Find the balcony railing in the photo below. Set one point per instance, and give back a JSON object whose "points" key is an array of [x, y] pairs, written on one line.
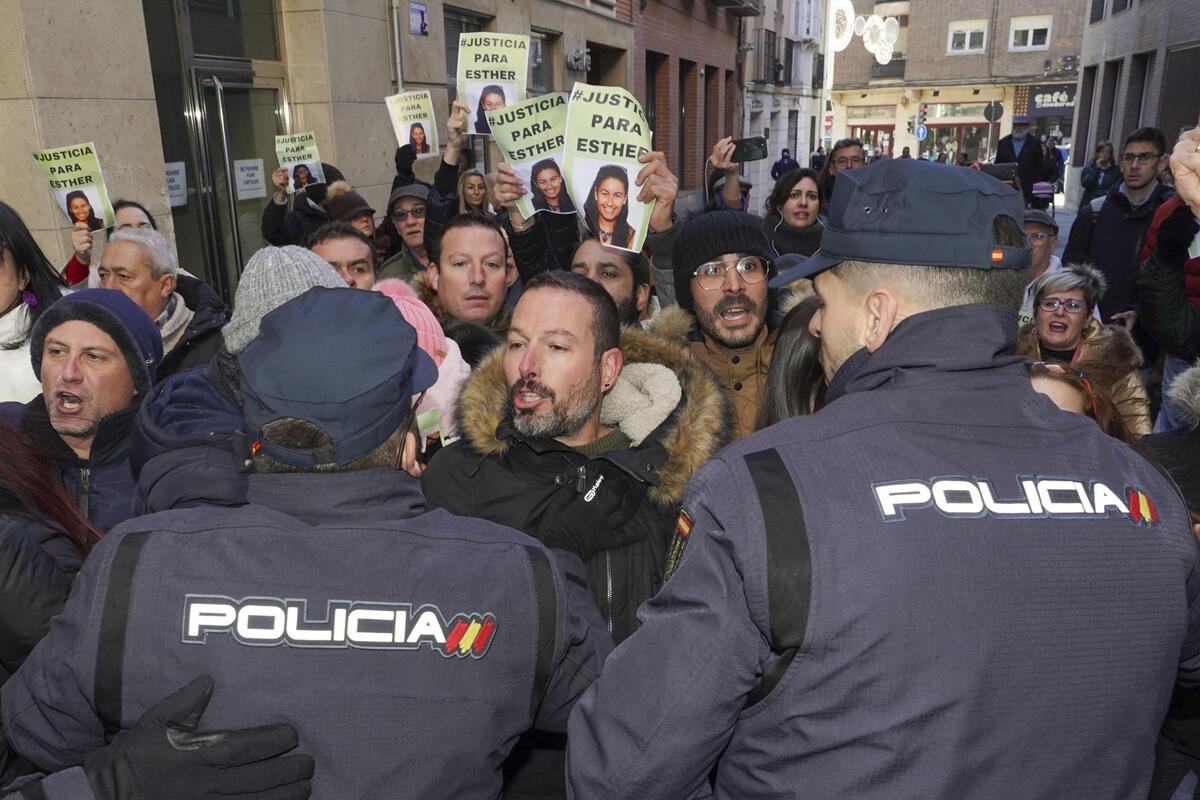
{"points": [[740, 8], [892, 69]]}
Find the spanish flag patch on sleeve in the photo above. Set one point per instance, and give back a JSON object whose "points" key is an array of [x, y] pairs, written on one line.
{"points": [[683, 529]]}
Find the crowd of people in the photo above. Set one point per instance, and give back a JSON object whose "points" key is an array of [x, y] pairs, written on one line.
{"points": [[873, 495]]}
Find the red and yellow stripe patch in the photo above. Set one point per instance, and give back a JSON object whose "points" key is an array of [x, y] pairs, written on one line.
{"points": [[1140, 507], [468, 635]]}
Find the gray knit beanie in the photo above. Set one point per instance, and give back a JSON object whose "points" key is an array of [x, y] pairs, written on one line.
{"points": [[273, 276]]}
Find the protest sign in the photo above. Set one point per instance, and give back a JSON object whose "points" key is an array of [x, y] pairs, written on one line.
{"points": [[298, 152], [531, 136], [606, 132], [249, 178], [413, 120], [492, 68], [74, 177]]}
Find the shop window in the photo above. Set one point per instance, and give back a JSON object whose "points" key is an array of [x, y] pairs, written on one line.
{"points": [[1030, 33], [967, 36]]}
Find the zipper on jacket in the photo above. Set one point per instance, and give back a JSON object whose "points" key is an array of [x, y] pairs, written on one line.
{"points": [[581, 478], [608, 588], [85, 481]]}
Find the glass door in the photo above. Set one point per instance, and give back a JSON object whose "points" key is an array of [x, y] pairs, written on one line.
{"points": [[240, 122]]}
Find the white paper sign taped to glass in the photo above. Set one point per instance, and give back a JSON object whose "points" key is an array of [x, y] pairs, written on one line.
{"points": [[249, 178], [492, 70], [606, 132], [74, 178], [531, 136], [413, 121], [176, 172], [298, 152]]}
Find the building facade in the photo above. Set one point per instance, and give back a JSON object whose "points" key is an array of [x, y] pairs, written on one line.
{"points": [[784, 79], [201, 87], [1139, 66], [686, 75], [952, 59]]}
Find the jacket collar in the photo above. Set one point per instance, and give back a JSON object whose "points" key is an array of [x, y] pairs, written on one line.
{"points": [[111, 443], [330, 498], [958, 342]]}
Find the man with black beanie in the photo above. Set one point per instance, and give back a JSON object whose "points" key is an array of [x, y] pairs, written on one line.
{"points": [[721, 262]]}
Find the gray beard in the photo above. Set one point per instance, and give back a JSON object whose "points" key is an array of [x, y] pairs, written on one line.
{"points": [[565, 419]]}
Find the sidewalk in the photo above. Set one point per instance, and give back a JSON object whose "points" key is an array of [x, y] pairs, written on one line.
{"points": [[1064, 215]]}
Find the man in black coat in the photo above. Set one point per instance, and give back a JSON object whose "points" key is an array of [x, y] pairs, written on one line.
{"points": [[1023, 150]]}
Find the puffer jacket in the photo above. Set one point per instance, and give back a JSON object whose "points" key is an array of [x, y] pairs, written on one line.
{"points": [[38, 564], [1113, 346], [188, 446], [496, 473]]}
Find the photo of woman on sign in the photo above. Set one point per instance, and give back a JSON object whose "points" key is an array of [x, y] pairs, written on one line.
{"points": [[79, 208], [416, 137], [606, 210], [549, 189], [491, 98]]}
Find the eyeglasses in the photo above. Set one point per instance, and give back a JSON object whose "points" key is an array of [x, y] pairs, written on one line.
{"points": [[1040, 237], [1145, 158], [400, 214], [1055, 368], [1070, 305], [711, 274], [848, 161]]}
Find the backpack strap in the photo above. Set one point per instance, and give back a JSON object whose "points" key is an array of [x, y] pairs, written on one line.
{"points": [[789, 564], [114, 623], [547, 620]]}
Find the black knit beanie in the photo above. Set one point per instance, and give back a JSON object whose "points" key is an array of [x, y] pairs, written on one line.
{"points": [[709, 236]]}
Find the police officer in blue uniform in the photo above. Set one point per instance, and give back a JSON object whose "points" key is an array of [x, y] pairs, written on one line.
{"points": [[939, 585], [408, 649]]}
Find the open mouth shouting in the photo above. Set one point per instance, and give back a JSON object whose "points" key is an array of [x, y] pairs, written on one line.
{"points": [[527, 395]]}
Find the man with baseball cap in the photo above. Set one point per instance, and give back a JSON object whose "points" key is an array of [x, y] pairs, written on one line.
{"points": [[408, 208], [96, 353], [938, 585], [1023, 150], [402, 645]]}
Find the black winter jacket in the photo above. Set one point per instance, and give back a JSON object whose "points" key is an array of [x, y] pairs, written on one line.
{"points": [[202, 339], [1112, 241], [101, 485], [282, 227], [498, 474]]}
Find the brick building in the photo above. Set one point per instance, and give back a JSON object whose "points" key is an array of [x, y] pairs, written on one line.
{"points": [[686, 76], [956, 56], [784, 78], [1139, 66]]}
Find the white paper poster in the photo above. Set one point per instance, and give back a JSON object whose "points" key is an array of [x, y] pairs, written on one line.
{"points": [[249, 178], [177, 183]]}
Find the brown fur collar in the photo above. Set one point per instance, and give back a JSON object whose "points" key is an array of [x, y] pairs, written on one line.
{"points": [[699, 426], [673, 323]]}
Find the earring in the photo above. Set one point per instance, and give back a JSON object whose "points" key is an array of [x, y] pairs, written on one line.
{"points": [[29, 298]]}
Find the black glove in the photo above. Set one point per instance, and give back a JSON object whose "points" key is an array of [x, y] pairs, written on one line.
{"points": [[587, 515], [1175, 235], [164, 756]]}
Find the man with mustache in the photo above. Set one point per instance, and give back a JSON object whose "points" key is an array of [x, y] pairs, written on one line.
{"points": [[583, 434], [721, 262]]}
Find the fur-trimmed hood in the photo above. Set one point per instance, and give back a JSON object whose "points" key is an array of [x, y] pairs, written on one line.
{"points": [[1185, 393], [672, 323], [663, 394]]}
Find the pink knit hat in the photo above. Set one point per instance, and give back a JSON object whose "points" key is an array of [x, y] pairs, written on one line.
{"points": [[430, 336]]}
